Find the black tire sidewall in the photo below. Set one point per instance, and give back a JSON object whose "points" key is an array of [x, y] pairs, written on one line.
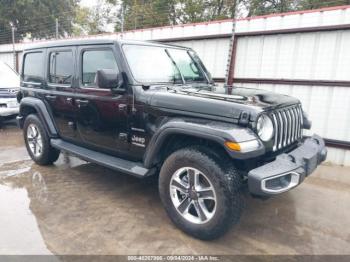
{"points": [[224, 208]]}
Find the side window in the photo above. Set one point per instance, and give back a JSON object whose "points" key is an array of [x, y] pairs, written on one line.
{"points": [[33, 70], [95, 60], [61, 67]]}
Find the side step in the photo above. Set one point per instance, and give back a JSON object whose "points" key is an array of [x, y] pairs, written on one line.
{"points": [[125, 166]]}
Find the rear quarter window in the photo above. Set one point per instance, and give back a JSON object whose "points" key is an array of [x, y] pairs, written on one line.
{"points": [[33, 69]]}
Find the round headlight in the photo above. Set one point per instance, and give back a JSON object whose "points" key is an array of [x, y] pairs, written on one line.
{"points": [[265, 128]]}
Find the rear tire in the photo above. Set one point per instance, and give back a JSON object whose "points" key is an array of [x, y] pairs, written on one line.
{"points": [[37, 142], [217, 210]]}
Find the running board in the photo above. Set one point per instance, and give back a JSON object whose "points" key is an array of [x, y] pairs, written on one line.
{"points": [[125, 166]]}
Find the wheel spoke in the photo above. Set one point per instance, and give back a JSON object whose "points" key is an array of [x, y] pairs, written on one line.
{"points": [[34, 147], [39, 147], [184, 205], [206, 193], [193, 177], [199, 209], [34, 131], [179, 186], [30, 133]]}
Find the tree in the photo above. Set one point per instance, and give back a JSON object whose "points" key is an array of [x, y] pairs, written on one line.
{"points": [[150, 13], [143, 13], [189, 11], [257, 7], [35, 18], [93, 20], [314, 4]]}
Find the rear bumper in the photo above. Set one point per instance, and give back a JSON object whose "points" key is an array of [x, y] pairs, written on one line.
{"points": [[288, 170]]}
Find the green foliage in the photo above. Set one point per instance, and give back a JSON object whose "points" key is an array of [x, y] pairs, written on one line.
{"points": [[93, 20], [150, 13], [256, 7], [35, 18], [314, 4]]}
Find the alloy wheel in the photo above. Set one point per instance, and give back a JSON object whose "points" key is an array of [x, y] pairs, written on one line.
{"points": [[34, 140], [193, 195]]}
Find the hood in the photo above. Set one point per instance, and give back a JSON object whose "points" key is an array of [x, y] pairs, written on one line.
{"points": [[218, 103]]}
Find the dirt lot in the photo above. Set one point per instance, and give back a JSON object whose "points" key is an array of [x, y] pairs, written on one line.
{"points": [[75, 207]]}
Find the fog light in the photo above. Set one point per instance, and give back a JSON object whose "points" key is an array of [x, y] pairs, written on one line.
{"points": [[280, 183]]}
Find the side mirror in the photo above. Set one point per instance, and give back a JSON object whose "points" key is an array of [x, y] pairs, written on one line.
{"points": [[109, 79]]}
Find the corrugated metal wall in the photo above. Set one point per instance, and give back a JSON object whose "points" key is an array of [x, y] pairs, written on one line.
{"points": [[312, 56], [323, 55], [8, 59], [213, 52]]}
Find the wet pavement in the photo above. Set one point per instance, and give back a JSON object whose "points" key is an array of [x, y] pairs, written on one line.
{"points": [[75, 208]]}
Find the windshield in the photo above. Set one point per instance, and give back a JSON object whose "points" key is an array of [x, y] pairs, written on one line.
{"points": [[8, 77], [154, 64]]}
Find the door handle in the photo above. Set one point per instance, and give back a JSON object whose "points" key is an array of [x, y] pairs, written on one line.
{"points": [[82, 102], [50, 97], [123, 108]]}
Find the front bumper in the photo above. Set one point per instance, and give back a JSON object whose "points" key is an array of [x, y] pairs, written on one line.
{"points": [[288, 170], [11, 107], [7, 112]]}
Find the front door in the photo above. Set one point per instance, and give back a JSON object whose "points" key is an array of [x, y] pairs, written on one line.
{"points": [[102, 120], [60, 79]]}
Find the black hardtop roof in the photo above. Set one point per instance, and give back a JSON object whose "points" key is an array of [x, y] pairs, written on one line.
{"points": [[63, 43]]}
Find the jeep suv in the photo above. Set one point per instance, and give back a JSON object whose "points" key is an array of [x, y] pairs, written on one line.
{"points": [[147, 109]]}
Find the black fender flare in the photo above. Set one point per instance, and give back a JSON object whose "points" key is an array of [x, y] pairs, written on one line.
{"points": [[218, 132], [41, 109]]}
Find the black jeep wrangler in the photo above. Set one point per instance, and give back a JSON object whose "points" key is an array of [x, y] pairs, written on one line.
{"points": [[147, 108]]}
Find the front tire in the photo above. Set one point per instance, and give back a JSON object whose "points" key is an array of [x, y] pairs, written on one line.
{"points": [[200, 193], [38, 142]]}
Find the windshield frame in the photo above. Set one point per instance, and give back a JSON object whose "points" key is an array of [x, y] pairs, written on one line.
{"points": [[207, 80]]}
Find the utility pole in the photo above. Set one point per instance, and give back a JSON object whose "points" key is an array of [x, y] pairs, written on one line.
{"points": [[229, 68], [13, 47], [122, 22], [56, 28]]}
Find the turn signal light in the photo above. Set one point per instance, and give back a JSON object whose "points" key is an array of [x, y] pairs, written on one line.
{"points": [[233, 146]]}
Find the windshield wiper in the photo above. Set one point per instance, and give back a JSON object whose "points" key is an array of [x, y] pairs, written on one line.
{"points": [[178, 69]]}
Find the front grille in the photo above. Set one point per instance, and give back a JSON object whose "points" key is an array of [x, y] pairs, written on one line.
{"points": [[288, 124], [6, 93]]}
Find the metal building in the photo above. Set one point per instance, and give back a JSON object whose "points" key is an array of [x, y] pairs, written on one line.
{"points": [[304, 54]]}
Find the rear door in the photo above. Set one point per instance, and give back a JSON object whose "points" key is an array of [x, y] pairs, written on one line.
{"points": [[102, 115], [60, 85]]}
